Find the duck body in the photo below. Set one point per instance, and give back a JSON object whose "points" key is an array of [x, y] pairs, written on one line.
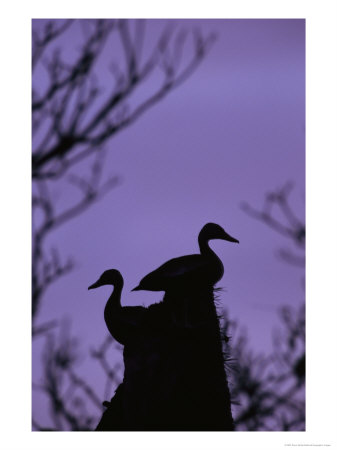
{"points": [[181, 271], [198, 269]]}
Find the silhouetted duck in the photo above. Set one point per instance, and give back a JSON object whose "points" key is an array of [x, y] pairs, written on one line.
{"points": [[188, 270], [122, 321]]}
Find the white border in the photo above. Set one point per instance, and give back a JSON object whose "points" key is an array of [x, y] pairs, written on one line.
{"points": [[321, 215]]}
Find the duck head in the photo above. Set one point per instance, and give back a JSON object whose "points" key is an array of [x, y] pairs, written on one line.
{"points": [[214, 231], [109, 277]]}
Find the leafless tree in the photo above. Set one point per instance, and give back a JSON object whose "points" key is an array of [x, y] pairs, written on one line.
{"points": [[268, 391], [75, 116], [278, 215], [74, 405]]}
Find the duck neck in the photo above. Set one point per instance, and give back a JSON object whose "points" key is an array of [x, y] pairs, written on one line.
{"points": [[214, 267], [113, 307], [114, 301], [205, 249]]}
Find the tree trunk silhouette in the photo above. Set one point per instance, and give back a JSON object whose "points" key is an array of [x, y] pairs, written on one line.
{"points": [[174, 377]]}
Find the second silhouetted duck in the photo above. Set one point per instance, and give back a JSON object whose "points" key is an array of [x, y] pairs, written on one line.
{"points": [[190, 270]]}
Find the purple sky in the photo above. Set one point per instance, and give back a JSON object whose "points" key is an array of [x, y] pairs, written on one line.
{"points": [[234, 130]]}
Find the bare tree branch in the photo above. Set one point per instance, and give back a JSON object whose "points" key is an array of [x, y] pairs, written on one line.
{"points": [[291, 227], [71, 135], [268, 391], [275, 400], [72, 120], [44, 328], [288, 225], [69, 395], [50, 32]]}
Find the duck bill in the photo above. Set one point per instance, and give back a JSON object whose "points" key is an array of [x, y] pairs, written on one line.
{"points": [[229, 238], [94, 286]]}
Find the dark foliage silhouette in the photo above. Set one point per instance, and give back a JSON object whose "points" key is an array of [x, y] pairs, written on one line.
{"points": [[174, 377], [64, 388], [266, 390], [269, 391]]}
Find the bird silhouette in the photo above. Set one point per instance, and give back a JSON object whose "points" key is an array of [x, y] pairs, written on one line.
{"points": [[125, 411], [121, 321], [199, 269]]}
